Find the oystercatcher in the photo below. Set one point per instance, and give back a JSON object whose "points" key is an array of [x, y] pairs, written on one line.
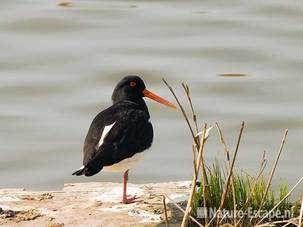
{"points": [[118, 135]]}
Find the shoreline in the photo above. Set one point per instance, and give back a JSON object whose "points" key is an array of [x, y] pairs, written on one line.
{"points": [[92, 204]]}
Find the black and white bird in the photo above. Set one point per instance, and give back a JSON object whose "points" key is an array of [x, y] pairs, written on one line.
{"points": [[119, 135]]}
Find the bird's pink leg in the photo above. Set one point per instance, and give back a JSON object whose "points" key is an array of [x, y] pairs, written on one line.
{"points": [[126, 200]]}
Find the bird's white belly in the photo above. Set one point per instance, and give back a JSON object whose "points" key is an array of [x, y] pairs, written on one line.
{"points": [[125, 164]]}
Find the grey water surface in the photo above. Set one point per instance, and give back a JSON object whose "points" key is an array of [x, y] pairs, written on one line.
{"points": [[59, 65]]}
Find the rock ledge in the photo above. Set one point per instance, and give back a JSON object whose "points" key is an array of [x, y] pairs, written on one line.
{"points": [[91, 204]]}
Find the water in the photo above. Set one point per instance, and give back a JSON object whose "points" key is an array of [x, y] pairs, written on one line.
{"points": [[58, 66]]}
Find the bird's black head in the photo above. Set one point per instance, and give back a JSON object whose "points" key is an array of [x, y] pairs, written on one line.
{"points": [[129, 88], [133, 88]]}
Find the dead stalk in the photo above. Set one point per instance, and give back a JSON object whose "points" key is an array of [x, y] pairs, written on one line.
{"points": [[285, 197], [194, 115], [226, 151], [272, 172], [194, 180], [227, 183], [261, 169], [223, 142], [289, 223], [204, 176], [183, 112], [195, 138], [183, 211], [194, 159], [165, 211]]}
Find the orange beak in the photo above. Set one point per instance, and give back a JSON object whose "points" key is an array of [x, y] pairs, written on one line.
{"points": [[157, 98]]}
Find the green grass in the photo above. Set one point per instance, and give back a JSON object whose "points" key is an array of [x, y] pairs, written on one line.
{"points": [[248, 193]]}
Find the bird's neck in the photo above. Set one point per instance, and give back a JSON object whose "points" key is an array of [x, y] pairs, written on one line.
{"points": [[139, 101], [143, 106]]}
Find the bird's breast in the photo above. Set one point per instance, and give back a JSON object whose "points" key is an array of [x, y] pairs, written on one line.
{"points": [[125, 164]]}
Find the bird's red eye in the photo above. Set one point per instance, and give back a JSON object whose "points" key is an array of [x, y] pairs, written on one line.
{"points": [[132, 84]]}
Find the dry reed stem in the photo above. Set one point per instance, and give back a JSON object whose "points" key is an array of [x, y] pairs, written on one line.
{"points": [[261, 169], [290, 222], [195, 138], [231, 167], [165, 211], [194, 115], [285, 197], [194, 118], [226, 151], [266, 225], [272, 171], [301, 213], [279, 222], [227, 183], [183, 211], [204, 175], [194, 180], [183, 112], [274, 223], [194, 159]]}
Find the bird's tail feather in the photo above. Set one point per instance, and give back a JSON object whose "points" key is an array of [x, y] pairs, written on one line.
{"points": [[80, 171]]}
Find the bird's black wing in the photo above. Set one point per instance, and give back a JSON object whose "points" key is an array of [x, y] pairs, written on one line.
{"points": [[124, 139]]}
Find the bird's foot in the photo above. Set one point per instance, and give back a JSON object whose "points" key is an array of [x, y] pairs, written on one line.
{"points": [[130, 200]]}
